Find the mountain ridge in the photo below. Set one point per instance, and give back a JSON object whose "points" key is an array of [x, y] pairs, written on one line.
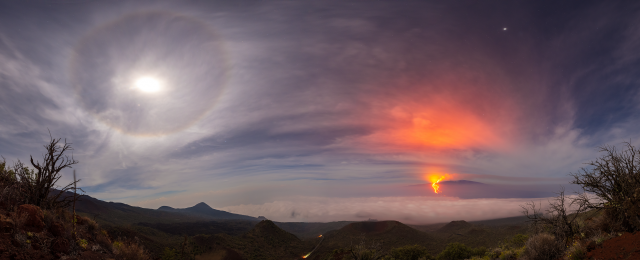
{"points": [[204, 210]]}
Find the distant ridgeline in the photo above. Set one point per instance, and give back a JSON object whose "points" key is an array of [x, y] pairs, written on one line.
{"points": [[203, 210], [114, 213]]}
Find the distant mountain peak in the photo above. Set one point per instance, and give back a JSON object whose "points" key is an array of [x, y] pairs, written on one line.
{"points": [[165, 208], [202, 205]]}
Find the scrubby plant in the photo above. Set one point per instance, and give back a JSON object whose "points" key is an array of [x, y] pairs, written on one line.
{"points": [[542, 246], [614, 179], [413, 252], [366, 251], [129, 250], [82, 243], [92, 226], [512, 253], [20, 184], [517, 241], [170, 254], [576, 251], [559, 220], [459, 251]]}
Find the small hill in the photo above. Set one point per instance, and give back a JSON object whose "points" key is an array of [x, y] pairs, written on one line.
{"points": [[477, 233], [166, 208], [205, 211], [455, 226], [307, 230], [269, 232], [264, 241], [390, 234]]}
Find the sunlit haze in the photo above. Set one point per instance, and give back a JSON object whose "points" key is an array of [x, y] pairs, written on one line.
{"points": [[148, 84]]}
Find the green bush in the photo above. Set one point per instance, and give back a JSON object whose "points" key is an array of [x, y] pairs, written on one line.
{"points": [[459, 251], [414, 252], [170, 254], [517, 241], [512, 253]]}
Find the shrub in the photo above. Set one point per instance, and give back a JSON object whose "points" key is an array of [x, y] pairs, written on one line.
{"points": [[103, 240], [459, 251], [577, 251], [170, 254], [129, 251], [557, 219], [414, 252], [512, 253], [92, 226], [615, 180], [542, 246], [82, 243], [365, 251], [519, 240]]}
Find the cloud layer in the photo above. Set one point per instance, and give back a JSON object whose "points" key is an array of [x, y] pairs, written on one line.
{"points": [[410, 210], [270, 100]]}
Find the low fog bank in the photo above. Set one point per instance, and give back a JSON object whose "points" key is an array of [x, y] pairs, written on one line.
{"points": [[409, 210]]}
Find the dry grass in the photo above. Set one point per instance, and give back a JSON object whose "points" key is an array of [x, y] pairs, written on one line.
{"points": [[542, 246], [577, 251], [129, 251], [19, 220], [92, 226]]}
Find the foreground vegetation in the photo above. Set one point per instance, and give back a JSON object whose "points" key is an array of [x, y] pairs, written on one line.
{"points": [[38, 219]]}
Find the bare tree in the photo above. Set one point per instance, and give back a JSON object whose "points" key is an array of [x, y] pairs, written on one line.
{"points": [[38, 183], [558, 219], [615, 180]]}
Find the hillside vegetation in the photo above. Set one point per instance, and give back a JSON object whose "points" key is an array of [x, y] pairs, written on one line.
{"points": [[36, 219]]}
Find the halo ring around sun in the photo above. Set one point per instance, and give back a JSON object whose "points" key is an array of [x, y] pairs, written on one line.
{"points": [[149, 73]]}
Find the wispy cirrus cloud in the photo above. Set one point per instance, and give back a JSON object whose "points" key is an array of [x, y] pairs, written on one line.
{"points": [[346, 100]]}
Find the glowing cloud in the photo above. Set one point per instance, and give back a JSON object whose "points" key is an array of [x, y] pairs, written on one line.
{"points": [[445, 127]]}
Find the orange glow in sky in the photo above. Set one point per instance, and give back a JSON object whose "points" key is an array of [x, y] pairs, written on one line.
{"points": [[446, 128]]}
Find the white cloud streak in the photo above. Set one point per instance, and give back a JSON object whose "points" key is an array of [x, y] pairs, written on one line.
{"points": [[411, 210]]}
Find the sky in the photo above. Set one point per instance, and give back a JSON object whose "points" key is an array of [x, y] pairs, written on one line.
{"points": [[321, 111]]}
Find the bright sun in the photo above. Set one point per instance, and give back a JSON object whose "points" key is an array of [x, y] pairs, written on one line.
{"points": [[148, 84]]}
